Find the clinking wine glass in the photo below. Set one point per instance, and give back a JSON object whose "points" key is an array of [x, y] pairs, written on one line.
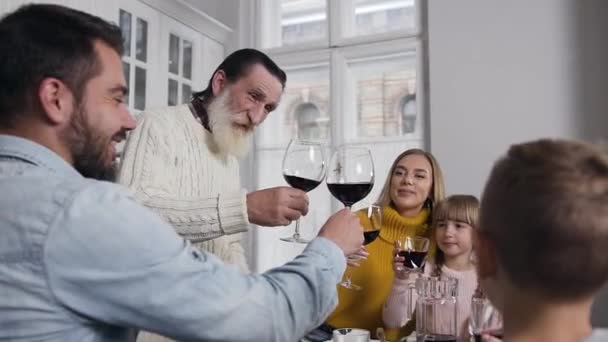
{"points": [[371, 230], [485, 319], [415, 250], [350, 177], [304, 169]]}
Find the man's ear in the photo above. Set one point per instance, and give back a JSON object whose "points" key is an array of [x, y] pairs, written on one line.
{"points": [[218, 82], [487, 263], [56, 100]]}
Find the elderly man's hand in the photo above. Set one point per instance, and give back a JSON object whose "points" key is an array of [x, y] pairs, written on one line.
{"points": [[277, 206]]}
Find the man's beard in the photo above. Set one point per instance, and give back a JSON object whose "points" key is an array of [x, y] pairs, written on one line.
{"points": [[225, 137], [89, 148]]}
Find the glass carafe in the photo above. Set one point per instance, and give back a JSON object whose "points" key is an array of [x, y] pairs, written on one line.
{"points": [[436, 309]]}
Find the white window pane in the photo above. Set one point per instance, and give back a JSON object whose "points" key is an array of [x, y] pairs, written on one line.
{"points": [[125, 28], [140, 88], [187, 63], [297, 22], [172, 98], [174, 54], [379, 16], [126, 69], [303, 111], [186, 93], [385, 95], [141, 40]]}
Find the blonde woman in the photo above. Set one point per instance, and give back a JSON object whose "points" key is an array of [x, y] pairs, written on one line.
{"points": [[413, 185]]}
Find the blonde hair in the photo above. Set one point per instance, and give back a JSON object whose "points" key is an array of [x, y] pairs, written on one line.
{"points": [[462, 208], [437, 192], [545, 209]]}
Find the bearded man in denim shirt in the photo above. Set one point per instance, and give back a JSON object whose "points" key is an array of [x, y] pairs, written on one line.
{"points": [[80, 260]]}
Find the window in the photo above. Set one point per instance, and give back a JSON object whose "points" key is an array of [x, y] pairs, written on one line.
{"points": [[369, 17], [301, 21], [310, 123], [380, 83], [180, 70], [304, 108], [408, 114], [135, 58], [353, 77]]}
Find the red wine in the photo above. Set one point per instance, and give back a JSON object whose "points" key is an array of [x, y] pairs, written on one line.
{"points": [[349, 193], [495, 334], [303, 184], [413, 259], [370, 235], [443, 338]]}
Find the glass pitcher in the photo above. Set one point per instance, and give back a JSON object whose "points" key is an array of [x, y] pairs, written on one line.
{"points": [[436, 309]]}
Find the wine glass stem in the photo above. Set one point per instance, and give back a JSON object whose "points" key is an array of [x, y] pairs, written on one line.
{"points": [[296, 234], [347, 280]]}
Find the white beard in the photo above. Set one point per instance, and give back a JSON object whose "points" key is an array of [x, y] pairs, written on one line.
{"points": [[226, 139]]}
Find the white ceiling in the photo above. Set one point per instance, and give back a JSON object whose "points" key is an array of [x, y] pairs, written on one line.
{"points": [[225, 11]]}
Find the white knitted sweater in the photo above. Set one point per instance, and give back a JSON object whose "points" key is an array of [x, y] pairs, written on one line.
{"points": [[168, 165]]}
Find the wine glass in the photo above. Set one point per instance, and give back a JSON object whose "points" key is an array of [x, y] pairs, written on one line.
{"points": [[371, 230], [415, 249], [350, 177], [485, 319], [304, 169]]}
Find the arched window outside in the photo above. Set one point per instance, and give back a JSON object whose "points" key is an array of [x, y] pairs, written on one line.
{"points": [[408, 114], [310, 123]]}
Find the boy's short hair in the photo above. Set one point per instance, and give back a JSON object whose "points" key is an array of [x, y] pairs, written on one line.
{"points": [[545, 209]]}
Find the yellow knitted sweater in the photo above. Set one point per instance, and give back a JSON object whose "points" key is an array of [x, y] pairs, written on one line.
{"points": [[363, 309]]}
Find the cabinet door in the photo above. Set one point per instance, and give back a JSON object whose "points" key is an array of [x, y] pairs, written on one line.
{"points": [[182, 55], [140, 30]]}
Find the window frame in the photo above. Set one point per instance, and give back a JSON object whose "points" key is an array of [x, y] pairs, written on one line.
{"points": [[342, 50], [336, 53], [152, 18]]}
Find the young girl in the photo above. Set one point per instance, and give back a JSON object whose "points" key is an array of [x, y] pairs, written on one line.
{"points": [[453, 222]]}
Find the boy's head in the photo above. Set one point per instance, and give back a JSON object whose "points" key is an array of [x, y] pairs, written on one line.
{"points": [[544, 222]]}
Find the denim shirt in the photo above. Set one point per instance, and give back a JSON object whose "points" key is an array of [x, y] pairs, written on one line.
{"points": [[81, 261]]}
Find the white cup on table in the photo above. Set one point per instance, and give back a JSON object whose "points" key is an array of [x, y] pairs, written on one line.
{"points": [[351, 335]]}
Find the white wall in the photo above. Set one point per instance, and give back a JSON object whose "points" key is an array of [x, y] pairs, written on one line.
{"points": [[508, 71], [500, 72]]}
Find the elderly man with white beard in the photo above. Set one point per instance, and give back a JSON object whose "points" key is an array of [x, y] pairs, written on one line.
{"points": [[182, 162]]}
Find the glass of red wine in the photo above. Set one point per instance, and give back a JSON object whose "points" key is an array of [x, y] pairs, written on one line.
{"points": [[415, 249], [350, 177], [485, 319], [371, 230], [304, 169]]}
